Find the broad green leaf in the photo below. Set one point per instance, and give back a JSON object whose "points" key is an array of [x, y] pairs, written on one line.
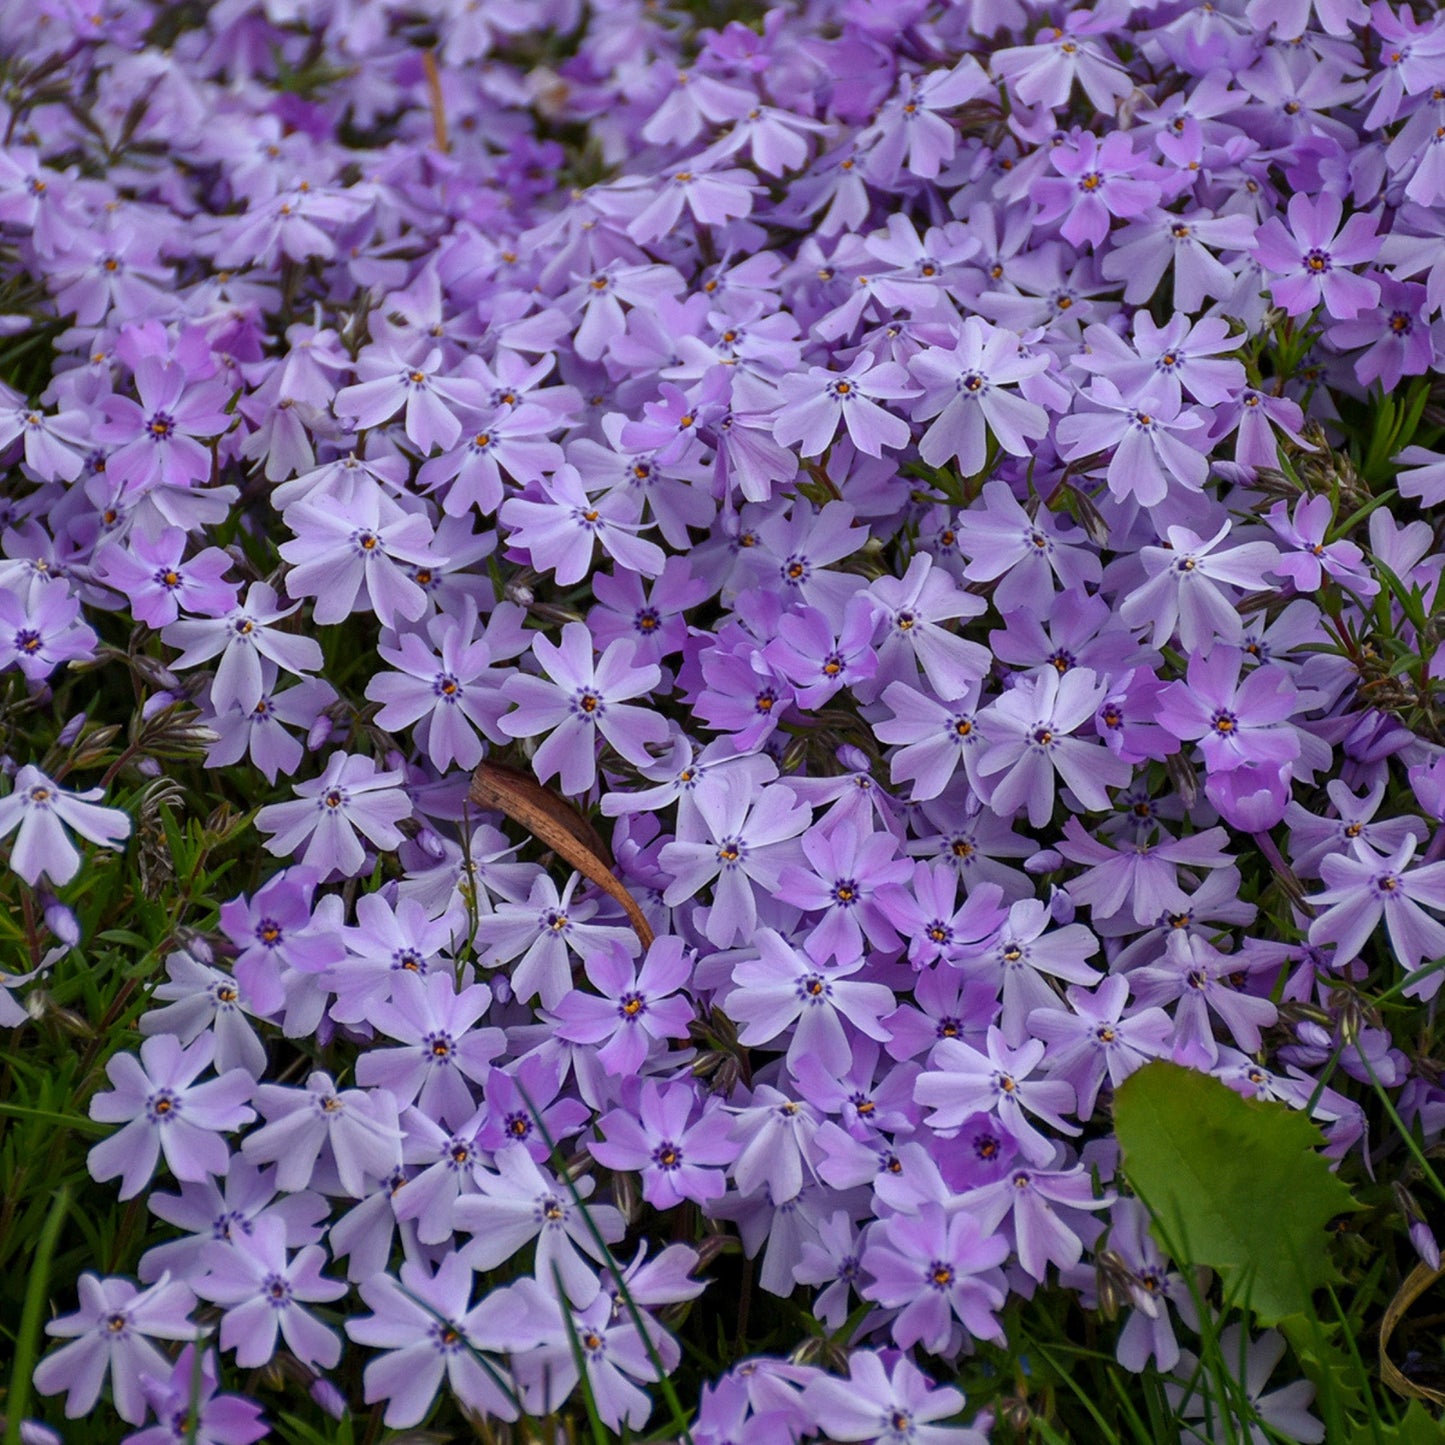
{"points": [[1232, 1183], [1418, 1427]]}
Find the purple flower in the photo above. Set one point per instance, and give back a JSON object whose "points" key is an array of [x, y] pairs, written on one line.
{"points": [[441, 1048], [1195, 1395], [900, 1408], [200, 999], [1236, 723], [1045, 1207], [518, 1204], [846, 871], [911, 125], [351, 796], [744, 838], [1020, 958], [1099, 180], [438, 687], [653, 1137], [935, 738], [711, 196], [544, 932], [1148, 436], [158, 584], [815, 403], [1045, 72], [263, 1293], [356, 1130], [614, 1357], [1363, 890], [966, 1081], [187, 1415], [655, 621], [1199, 980], [1161, 241], [242, 637], [259, 733], [637, 1006], [1396, 334], [217, 1209], [505, 440], [1094, 1038], [276, 931], [1028, 743], [366, 544], [1184, 591], [430, 1332], [1311, 558], [1033, 555], [1152, 1288], [54, 445], [928, 915], [155, 441], [1142, 874], [911, 608], [111, 1334], [939, 1268], [818, 662], [1310, 257], [42, 811], [579, 699], [40, 632], [166, 1112], [390, 382], [1353, 831], [524, 1106], [783, 987], [964, 390], [558, 532]]}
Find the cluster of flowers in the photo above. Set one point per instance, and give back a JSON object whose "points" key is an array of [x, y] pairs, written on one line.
{"points": [[866, 494]]}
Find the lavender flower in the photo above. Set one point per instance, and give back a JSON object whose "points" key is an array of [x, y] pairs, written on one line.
{"points": [[1312, 254], [42, 812], [356, 1130], [242, 637], [110, 1335], [352, 796], [887, 1409], [782, 987], [431, 1332], [40, 632], [579, 699], [678, 1157], [517, 1204], [263, 1293], [365, 545], [938, 1268], [166, 1112], [635, 1007], [1028, 742]]}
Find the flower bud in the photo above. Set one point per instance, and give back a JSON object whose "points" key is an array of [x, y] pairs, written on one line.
{"points": [[157, 702], [327, 1397], [60, 920], [1061, 905], [71, 730]]}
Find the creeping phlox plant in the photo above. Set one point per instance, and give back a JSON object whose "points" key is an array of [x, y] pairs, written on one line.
{"points": [[935, 501]]}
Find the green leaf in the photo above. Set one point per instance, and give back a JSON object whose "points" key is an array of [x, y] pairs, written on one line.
{"points": [[1418, 1427], [1232, 1183]]}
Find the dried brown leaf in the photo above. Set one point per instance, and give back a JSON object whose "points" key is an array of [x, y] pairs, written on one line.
{"points": [[553, 821]]}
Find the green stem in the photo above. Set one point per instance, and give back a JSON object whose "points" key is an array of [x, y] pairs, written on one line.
{"points": [[27, 1345]]}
